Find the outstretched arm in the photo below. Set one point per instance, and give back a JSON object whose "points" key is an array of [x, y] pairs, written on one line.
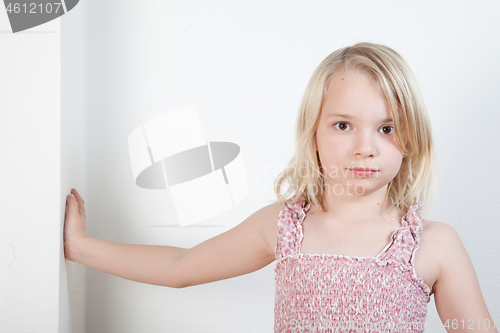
{"points": [[459, 301], [238, 251]]}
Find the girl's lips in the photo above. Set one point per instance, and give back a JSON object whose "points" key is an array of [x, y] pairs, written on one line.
{"points": [[362, 172], [363, 169]]}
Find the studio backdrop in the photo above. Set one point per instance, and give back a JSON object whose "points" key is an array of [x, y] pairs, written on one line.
{"points": [[119, 99]]}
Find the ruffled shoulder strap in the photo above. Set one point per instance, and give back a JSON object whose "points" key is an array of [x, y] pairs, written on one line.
{"points": [[413, 219], [405, 240], [290, 227], [405, 243]]}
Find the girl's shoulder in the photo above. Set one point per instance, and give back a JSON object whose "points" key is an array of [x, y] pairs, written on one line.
{"points": [[435, 249], [443, 238], [438, 238], [438, 233], [268, 224], [456, 287]]}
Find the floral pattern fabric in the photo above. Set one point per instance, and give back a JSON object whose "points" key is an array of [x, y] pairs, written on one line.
{"points": [[340, 293]]}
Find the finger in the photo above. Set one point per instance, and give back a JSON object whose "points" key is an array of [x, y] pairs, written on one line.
{"points": [[79, 200], [72, 205], [77, 196]]}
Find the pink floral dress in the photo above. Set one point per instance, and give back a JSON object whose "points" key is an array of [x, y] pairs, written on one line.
{"points": [[337, 293]]}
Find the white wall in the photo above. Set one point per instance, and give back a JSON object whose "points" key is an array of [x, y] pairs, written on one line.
{"points": [[74, 160], [245, 65], [31, 205], [43, 153]]}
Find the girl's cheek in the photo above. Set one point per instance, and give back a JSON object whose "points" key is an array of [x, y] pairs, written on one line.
{"points": [[340, 140]]}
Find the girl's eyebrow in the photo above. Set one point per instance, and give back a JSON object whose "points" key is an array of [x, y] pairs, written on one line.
{"points": [[348, 116]]}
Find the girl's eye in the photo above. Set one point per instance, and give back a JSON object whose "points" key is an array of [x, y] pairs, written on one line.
{"points": [[342, 126], [387, 130]]}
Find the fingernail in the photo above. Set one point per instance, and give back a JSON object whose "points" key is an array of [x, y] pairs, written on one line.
{"points": [[71, 196]]}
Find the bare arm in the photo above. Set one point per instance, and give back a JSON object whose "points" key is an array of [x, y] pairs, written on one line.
{"points": [[458, 297], [238, 251]]}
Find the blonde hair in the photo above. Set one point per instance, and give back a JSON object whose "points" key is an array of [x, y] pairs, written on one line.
{"points": [[416, 179]]}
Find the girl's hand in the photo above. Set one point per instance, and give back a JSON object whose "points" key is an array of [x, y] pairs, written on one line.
{"points": [[75, 226]]}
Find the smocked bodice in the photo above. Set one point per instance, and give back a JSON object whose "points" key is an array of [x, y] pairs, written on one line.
{"points": [[337, 293]]}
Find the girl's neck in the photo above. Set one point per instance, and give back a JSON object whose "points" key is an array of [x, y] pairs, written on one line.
{"points": [[353, 208]]}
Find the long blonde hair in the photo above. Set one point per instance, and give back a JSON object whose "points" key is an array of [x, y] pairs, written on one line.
{"points": [[416, 179]]}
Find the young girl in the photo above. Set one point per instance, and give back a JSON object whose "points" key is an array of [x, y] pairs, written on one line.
{"points": [[346, 240]]}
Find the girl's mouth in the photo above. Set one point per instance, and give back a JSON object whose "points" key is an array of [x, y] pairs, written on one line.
{"points": [[363, 172]]}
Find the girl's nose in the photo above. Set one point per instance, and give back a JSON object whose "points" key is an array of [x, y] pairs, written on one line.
{"points": [[364, 145]]}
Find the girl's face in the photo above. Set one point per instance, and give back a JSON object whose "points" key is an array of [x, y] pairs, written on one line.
{"points": [[355, 137]]}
